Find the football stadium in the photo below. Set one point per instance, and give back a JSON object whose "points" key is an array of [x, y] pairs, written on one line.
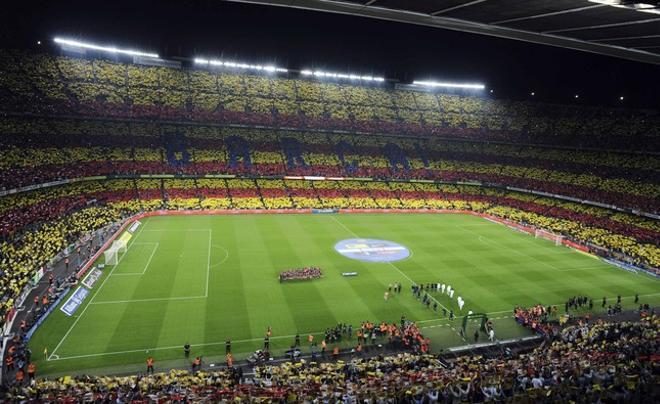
{"points": [[250, 217]]}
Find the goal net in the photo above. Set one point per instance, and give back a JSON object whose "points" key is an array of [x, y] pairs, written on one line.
{"points": [[556, 238], [112, 253]]}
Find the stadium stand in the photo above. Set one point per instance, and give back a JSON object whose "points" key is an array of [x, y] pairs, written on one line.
{"points": [[43, 150], [616, 364], [42, 83], [86, 143]]}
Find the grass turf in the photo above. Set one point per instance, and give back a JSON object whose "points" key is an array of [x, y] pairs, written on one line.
{"points": [[203, 279]]}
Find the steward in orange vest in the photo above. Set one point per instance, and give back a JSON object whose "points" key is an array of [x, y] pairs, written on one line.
{"points": [[150, 365], [197, 363], [20, 375], [32, 369]]}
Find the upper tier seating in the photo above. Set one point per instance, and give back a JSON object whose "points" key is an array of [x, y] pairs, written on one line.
{"points": [[46, 84]]}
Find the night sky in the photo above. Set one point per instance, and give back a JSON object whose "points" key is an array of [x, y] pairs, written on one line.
{"points": [[304, 39]]}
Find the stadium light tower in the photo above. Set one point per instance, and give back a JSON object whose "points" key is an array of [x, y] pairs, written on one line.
{"points": [[442, 84], [237, 65], [64, 42], [341, 76]]}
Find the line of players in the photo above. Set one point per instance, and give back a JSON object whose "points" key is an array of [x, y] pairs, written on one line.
{"points": [[421, 292]]}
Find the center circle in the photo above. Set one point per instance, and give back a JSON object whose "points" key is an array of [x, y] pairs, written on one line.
{"points": [[371, 250]]}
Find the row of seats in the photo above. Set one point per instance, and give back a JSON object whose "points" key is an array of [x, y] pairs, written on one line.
{"points": [[47, 84]]}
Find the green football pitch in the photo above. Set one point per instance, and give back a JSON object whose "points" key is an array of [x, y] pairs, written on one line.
{"points": [[203, 279]]}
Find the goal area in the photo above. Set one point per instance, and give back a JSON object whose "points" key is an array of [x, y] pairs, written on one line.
{"points": [[555, 238], [112, 253]]}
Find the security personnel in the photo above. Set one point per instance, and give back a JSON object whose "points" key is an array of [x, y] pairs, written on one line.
{"points": [[186, 350], [20, 376], [227, 346], [32, 369], [150, 365]]}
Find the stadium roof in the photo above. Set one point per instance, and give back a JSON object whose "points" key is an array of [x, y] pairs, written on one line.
{"points": [[620, 28]]}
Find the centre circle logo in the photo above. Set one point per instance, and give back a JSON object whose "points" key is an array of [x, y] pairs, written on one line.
{"points": [[370, 250]]}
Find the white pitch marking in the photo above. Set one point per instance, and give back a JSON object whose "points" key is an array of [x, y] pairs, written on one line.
{"points": [[153, 252], [54, 357], [166, 230], [486, 239], [156, 299], [97, 292], [174, 347], [208, 265], [604, 266], [224, 259]]}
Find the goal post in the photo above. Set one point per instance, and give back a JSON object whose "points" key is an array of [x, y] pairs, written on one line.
{"points": [[111, 256], [112, 253], [120, 245], [555, 238]]}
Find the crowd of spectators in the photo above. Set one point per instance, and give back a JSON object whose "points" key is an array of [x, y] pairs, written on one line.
{"points": [[18, 360], [540, 319], [97, 87], [47, 150], [583, 362], [23, 255], [306, 273], [440, 137]]}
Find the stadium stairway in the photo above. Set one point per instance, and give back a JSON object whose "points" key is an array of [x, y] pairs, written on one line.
{"points": [[292, 153], [239, 151], [342, 148], [396, 157]]}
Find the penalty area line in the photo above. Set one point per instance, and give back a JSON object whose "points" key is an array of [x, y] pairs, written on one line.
{"points": [[156, 299], [144, 270]]}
